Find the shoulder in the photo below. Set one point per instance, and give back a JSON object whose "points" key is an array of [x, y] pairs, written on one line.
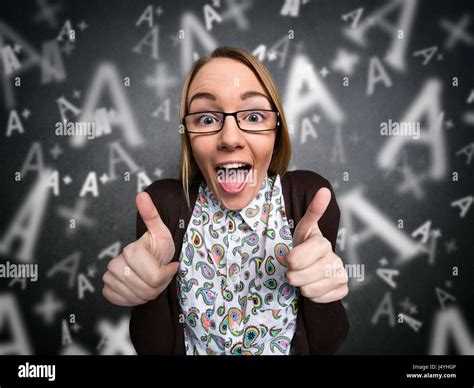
{"points": [[305, 181], [300, 187], [168, 196], [166, 189]]}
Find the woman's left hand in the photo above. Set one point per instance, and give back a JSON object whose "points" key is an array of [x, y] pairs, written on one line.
{"points": [[312, 264]]}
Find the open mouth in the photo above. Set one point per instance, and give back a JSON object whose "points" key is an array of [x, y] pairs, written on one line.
{"points": [[232, 177]]}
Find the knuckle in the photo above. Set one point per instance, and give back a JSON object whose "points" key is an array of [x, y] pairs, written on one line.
{"points": [[114, 265], [128, 251], [110, 265], [106, 294], [344, 277], [290, 278], [155, 278], [327, 244], [150, 294], [344, 292], [305, 291], [106, 278]]}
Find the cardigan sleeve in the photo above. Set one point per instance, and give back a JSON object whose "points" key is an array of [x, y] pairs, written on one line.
{"points": [[326, 324], [151, 320]]}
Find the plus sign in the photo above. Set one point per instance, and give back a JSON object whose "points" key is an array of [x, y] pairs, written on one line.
{"points": [[82, 25], [49, 307], [406, 304], [115, 339], [56, 151], [449, 124], [67, 48], [158, 172], [76, 327], [47, 13], [457, 32], [161, 81], [451, 246], [324, 72], [235, 10], [411, 182], [77, 214], [91, 271], [26, 113], [104, 179]]}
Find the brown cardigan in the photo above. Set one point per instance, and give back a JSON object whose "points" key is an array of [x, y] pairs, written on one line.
{"points": [[154, 326]]}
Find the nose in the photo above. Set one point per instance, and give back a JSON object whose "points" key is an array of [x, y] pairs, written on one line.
{"points": [[231, 137]]}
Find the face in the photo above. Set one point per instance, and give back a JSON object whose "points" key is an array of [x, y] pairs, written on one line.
{"points": [[228, 85]]}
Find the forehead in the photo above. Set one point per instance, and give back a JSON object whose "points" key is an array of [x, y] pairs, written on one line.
{"points": [[224, 74]]}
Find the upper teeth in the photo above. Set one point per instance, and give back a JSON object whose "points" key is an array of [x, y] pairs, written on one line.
{"points": [[232, 165]]}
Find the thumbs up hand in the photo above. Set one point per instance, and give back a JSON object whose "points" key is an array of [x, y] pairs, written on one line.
{"points": [[143, 270], [312, 264]]}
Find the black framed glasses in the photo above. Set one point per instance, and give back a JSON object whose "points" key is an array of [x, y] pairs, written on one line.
{"points": [[248, 120]]}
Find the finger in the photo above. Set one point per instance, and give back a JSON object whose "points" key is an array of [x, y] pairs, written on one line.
{"points": [[319, 270], [121, 270], [139, 286], [308, 224], [115, 298], [120, 288], [319, 288], [308, 252], [149, 214], [125, 274], [333, 295], [323, 286], [151, 271], [139, 260]]}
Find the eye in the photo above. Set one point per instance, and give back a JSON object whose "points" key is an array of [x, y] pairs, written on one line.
{"points": [[206, 119], [255, 117]]}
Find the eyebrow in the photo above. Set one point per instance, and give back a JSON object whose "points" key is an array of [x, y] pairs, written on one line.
{"points": [[243, 96]]}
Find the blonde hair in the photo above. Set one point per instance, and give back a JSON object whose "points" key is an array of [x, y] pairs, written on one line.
{"points": [[189, 170]]}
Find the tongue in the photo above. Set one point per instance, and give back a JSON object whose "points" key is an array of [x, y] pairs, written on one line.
{"points": [[232, 187], [233, 183]]}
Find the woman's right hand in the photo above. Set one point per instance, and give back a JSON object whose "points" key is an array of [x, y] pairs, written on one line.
{"points": [[143, 270]]}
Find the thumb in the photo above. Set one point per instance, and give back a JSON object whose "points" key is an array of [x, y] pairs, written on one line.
{"points": [[308, 225], [150, 216]]}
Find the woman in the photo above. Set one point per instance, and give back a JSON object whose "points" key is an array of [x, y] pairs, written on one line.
{"points": [[219, 266]]}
